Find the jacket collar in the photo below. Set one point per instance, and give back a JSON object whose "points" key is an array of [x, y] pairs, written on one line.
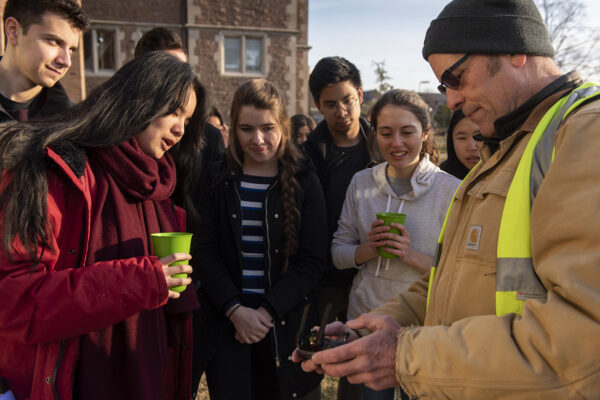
{"points": [[63, 165], [420, 181], [236, 172], [510, 122], [525, 118], [507, 125]]}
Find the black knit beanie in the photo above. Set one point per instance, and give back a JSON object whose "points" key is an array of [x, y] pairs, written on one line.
{"points": [[488, 27]]}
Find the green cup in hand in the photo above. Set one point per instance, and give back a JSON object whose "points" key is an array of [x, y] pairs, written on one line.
{"points": [[167, 243], [388, 218]]}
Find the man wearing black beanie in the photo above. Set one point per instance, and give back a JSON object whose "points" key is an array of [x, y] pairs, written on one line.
{"points": [[511, 308]]}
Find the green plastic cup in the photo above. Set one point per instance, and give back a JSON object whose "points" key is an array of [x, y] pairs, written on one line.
{"points": [[388, 218], [166, 243]]}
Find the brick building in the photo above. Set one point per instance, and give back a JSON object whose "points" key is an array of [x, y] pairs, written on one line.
{"points": [[228, 42]]}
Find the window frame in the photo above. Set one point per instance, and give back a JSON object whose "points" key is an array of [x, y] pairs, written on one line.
{"points": [[243, 36], [96, 71]]}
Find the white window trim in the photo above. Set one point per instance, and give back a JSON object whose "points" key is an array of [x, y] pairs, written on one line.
{"points": [[103, 72], [243, 36]]}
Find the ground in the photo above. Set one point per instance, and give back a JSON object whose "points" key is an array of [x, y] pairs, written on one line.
{"points": [[328, 389]]}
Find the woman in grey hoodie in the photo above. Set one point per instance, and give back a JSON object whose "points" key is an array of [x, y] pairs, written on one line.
{"points": [[408, 182]]}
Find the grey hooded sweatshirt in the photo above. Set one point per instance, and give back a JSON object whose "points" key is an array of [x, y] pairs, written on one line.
{"points": [[425, 208]]}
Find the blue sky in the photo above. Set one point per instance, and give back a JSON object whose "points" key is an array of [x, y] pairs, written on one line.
{"points": [[382, 30]]}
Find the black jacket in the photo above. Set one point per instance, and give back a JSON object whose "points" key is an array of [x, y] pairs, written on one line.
{"points": [[335, 169], [50, 101], [218, 247]]}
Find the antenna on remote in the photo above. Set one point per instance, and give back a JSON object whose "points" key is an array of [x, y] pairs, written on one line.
{"points": [[302, 322], [323, 323]]}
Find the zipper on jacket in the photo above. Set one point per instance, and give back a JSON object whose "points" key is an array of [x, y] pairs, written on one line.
{"points": [[56, 367], [266, 219], [337, 161]]}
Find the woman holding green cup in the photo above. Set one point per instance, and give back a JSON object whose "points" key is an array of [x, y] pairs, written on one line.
{"points": [[95, 313], [393, 211]]}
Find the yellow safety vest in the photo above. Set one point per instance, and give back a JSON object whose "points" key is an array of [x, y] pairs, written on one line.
{"points": [[516, 280]]}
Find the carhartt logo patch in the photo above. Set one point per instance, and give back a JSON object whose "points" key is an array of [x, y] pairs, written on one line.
{"points": [[474, 237]]}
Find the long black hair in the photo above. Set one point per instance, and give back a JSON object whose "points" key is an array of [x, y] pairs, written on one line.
{"points": [[187, 155], [148, 87], [452, 165]]}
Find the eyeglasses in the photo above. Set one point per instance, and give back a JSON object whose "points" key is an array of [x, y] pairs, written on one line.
{"points": [[449, 80], [346, 105]]}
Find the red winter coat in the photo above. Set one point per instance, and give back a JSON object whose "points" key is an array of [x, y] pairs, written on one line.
{"points": [[44, 309]]}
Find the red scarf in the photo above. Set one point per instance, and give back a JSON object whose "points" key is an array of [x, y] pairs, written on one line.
{"points": [[137, 357]]}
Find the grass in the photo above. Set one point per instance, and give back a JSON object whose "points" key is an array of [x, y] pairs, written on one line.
{"points": [[328, 389]]}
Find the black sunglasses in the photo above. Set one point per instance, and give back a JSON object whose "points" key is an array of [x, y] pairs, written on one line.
{"points": [[449, 80]]}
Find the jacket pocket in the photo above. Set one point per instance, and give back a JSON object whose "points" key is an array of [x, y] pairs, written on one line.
{"points": [[484, 204], [497, 184]]}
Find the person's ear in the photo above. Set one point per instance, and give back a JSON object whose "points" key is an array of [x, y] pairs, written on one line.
{"points": [[518, 60], [360, 95], [318, 106], [426, 133], [13, 30]]}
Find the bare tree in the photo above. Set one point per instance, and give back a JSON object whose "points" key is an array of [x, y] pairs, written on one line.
{"points": [[576, 45], [382, 76]]}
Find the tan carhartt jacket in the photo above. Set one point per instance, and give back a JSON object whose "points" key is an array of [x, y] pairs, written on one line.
{"points": [[553, 351]]}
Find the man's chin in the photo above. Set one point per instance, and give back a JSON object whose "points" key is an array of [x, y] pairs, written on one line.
{"points": [[487, 130], [48, 81]]}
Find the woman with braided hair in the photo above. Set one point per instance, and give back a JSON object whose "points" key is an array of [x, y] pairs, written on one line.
{"points": [[263, 247]]}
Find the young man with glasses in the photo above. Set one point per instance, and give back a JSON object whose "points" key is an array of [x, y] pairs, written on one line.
{"points": [[511, 309], [338, 148], [41, 39]]}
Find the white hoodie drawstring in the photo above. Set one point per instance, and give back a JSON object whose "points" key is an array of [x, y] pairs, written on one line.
{"points": [[387, 209]]}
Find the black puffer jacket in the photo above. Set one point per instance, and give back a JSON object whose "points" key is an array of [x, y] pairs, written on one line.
{"points": [[218, 247]]}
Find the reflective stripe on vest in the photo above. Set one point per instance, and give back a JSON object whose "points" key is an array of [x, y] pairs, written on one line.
{"points": [[516, 280]]}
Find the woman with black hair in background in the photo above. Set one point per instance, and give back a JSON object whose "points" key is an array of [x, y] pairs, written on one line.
{"points": [[85, 310], [462, 148]]}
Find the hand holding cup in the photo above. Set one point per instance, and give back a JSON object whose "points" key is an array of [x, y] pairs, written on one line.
{"points": [[173, 250], [394, 242], [176, 275]]}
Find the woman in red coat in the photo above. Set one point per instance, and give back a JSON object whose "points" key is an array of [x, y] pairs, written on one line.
{"points": [[85, 310]]}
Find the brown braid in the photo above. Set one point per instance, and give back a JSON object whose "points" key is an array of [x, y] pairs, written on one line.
{"points": [[291, 214]]}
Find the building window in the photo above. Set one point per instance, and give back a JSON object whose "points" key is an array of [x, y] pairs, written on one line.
{"points": [[100, 47], [243, 55]]}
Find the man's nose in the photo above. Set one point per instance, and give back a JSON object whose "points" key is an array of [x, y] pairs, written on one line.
{"points": [[64, 58], [340, 110], [454, 99]]}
